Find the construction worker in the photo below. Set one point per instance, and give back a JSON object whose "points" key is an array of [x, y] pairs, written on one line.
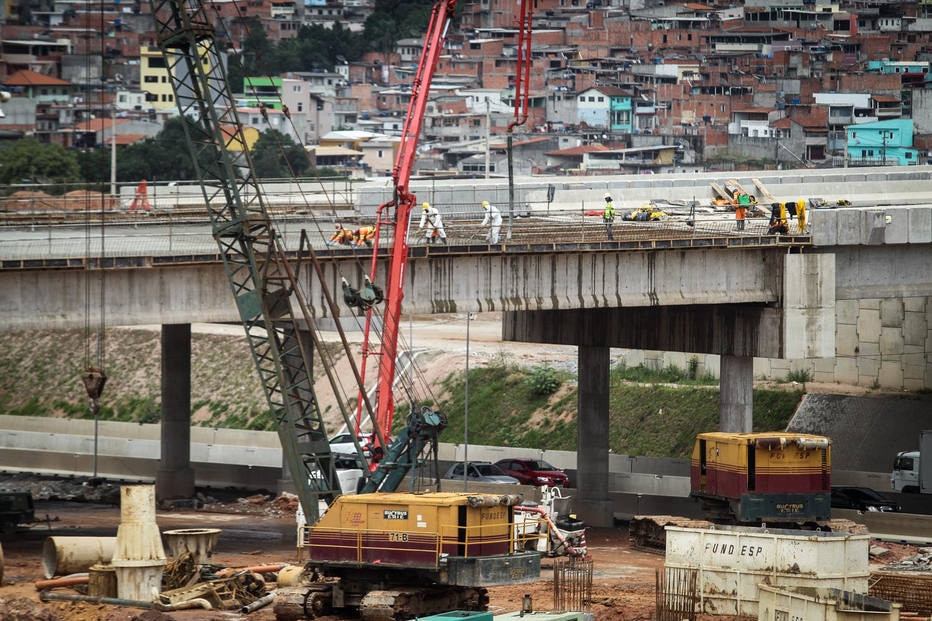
{"points": [[741, 202], [801, 215], [341, 236], [430, 218], [778, 219], [493, 219], [608, 215], [363, 235]]}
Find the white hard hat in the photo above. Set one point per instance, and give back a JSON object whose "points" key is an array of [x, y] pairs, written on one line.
{"points": [[607, 196]]}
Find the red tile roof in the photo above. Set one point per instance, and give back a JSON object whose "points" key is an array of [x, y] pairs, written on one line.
{"points": [[26, 77]]}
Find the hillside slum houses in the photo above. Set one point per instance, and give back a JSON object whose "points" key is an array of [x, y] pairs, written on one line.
{"points": [[616, 85]]}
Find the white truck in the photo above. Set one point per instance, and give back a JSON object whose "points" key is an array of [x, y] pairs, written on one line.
{"points": [[911, 473]]}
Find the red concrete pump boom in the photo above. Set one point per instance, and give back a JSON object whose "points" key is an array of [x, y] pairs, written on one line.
{"points": [[403, 202], [523, 71]]}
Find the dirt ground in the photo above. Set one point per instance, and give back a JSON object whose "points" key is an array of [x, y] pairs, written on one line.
{"points": [[259, 531]]}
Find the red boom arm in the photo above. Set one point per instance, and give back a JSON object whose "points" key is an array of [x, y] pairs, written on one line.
{"points": [[403, 201]]}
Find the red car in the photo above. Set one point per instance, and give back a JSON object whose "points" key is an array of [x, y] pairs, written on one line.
{"points": [[534, 472]]}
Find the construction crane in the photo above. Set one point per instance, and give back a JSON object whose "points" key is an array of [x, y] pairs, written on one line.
{"points": [[263, 282], [383, 555]]}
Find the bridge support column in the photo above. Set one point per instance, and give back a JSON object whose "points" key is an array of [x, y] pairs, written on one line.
{"points": [[736, 387], [592, 504], [175, 477]]}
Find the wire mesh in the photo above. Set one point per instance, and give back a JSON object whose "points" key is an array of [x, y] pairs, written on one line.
{"points": [[168, 234], [572, 584], [676, 593]]}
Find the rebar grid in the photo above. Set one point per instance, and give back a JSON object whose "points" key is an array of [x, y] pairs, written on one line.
{"points": [[572, 584], [676, 593]]}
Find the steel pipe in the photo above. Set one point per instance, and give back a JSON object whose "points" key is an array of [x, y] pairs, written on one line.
{"points": [[49, 596]]}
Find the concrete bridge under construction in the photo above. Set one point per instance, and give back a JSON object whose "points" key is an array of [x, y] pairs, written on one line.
{"points": [[849, 292]]}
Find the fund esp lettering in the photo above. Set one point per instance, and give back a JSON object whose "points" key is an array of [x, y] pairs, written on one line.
{"points": [[730, 549]]}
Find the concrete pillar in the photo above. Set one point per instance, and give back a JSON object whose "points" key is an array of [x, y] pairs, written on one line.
{"points": [[592, 504], [736, 387], [175, 477]]}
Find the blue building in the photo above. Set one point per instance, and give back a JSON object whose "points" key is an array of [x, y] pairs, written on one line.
{"points": [[606, 107], [883, 143]]}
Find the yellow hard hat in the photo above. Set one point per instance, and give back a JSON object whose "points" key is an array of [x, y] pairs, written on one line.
{"points": [[425, 206], [485, 204]]}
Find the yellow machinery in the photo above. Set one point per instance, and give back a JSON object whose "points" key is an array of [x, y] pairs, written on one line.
{"points": [[398, 555], [648, 212]]}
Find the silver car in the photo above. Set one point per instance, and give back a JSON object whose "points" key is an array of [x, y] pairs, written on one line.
{"points": [[343, 444], [480, 472]]}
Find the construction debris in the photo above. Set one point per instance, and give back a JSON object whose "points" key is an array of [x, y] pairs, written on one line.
{"points": [[23, 609], [922, 561]]}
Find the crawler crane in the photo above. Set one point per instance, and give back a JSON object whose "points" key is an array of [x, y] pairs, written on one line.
{"points": [[384, 554]]}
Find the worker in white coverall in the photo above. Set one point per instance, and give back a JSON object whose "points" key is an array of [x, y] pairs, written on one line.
{"points": [[493, 220], [430, 218]]}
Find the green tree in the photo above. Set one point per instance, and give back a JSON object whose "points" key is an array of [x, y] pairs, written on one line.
{"points": [[165, 157], [94, 165], [381, 32], [257, 50], [30, 161], [276, 155]]}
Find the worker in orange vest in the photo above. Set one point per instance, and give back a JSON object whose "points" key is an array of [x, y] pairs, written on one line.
{"points": [[363, 235], [341, 236]]}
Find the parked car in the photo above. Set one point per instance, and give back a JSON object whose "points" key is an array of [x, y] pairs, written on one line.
{"points": [[861, 499], [342, 444], [534, 472], [480, 472]]}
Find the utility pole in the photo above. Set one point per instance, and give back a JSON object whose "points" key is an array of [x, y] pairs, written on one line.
{"points": [[113, 177], [884, 136], [488, 134]]}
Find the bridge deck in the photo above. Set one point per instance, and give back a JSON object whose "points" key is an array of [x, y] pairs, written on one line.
{"points": [[159, 241]]}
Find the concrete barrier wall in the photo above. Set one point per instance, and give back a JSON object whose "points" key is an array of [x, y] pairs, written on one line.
{"points": [[224, 458]]}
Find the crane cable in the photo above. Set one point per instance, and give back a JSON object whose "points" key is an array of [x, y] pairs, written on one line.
{"points": [[418, 378], [94, 377], [324, 353]]}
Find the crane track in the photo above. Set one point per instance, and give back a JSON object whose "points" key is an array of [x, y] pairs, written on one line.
{"points": [[408, 603]]}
